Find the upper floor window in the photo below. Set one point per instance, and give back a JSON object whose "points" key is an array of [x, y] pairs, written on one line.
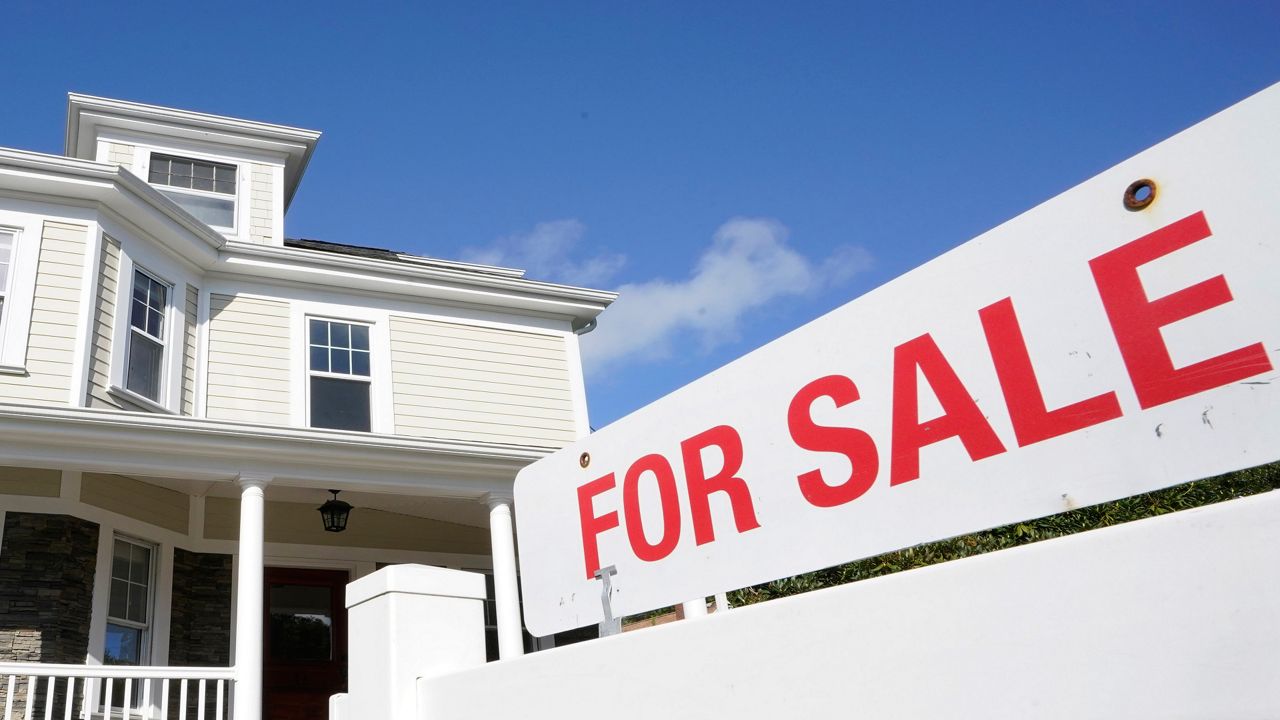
{"points": [[6, 260], [339, 361], [145, 361], [205, 189]]}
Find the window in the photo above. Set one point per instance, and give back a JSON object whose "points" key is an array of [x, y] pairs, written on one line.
{"points": [[129, 604], [338, 355], [205, 189], [145, 364], [6, 260]]}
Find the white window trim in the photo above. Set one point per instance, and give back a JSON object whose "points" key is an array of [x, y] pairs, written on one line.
{"points": [[382, 420], [148, 628], [368, 379], [15, 325], [174, 329]]}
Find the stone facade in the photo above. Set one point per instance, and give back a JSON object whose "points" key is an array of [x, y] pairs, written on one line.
{"points": [[200, 629], [47, 564]]}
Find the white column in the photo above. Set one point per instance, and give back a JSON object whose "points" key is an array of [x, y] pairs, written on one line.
{"points": [[506, 590], [248, 621]]}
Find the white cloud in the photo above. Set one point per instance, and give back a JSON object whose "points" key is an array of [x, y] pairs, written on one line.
{"points": [[545, 254], [748, 265]]}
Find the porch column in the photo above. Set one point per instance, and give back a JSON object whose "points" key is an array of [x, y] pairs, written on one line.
{"points": [[506, 591], [248, 660]]}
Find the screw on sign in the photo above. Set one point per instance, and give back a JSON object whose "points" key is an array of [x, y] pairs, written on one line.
{"points": [[1136, 322]]}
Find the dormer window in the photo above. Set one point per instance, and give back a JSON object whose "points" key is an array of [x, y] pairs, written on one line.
{"points": [[203, 188]]}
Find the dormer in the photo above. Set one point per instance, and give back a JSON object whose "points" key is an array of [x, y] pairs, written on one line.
{"points": [[237, 176]]}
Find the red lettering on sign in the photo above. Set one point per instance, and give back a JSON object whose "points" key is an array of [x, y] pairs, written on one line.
{"points": [[1032, 421], [700, 486], [960, 414], [591, 524], [657, 466], [1136, 320], [854, 444]]}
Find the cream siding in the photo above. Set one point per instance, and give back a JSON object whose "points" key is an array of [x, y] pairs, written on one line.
{"points": [[261, 206], [248, 372], [54, 315], [139, 500], [119, 154], [103, 326], [299, 523], [189, 352], [472, 383], [33, 482]]}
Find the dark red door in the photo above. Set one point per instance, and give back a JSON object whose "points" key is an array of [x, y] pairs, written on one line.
{"points": [[305, 646]]}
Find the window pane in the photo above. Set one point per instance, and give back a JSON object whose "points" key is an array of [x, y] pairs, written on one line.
{"points": [[339, 404], [203, 171], [120, 560], [119, 602], [340, 361], [155, 326], [202, 183], [360, 337], [301, 622], [225, 174], [124, 646], [159, 293], [226, 187], [319, 359], [210, 210], [143, 374], [360, 363], [137, 603], [319, 332], [139, 564], [340, 335]]}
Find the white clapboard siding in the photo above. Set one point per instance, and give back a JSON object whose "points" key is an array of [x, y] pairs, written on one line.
{"points": [[189, 352], [103, 325], [261, 205], [54, 313], [476, 383], [248, 376]]}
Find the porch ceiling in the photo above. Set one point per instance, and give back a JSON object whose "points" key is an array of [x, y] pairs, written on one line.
{"points": [[196, 449]]}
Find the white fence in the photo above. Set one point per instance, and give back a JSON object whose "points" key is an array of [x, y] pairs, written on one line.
{"points": [[63, 692], [1172, 617]]}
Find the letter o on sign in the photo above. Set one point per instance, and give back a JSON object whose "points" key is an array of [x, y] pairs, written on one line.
{"points": [[658, 467]]}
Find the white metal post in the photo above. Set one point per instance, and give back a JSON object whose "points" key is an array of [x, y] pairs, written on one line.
{"points": [[506, 590], [248, 657]]}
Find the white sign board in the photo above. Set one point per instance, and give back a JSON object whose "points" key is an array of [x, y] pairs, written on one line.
{"points": [[1082, 352]]}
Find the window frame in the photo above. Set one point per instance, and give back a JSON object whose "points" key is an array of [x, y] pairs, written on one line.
{"points": [[139, 255], [147, 627], [369, 380], [27, 227], [8, 275], [166, 331], [150, 154]]}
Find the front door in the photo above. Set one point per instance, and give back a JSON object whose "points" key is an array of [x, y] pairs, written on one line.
{"points": [[305, 646]]}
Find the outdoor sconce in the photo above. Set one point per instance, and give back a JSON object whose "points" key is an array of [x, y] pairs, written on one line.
{"points": [[335, 512]]}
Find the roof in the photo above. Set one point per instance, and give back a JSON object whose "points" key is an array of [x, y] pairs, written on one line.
{"points": [[87, 116], [374, 253]]}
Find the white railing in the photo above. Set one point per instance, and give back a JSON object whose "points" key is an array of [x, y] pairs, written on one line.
{"points": [[32, 691]]}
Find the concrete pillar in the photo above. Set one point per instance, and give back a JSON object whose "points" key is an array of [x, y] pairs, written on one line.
{"points": [[248, 659], [407, 622], [506, 589]]}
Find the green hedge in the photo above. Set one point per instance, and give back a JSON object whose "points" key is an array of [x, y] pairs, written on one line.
{"points": [[1180, 497]]}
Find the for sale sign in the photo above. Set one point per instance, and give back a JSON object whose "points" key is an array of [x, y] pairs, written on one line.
{"points": [[1120, 338]]}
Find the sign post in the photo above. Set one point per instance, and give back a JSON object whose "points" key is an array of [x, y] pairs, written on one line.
{"points": [[1117, 339]]}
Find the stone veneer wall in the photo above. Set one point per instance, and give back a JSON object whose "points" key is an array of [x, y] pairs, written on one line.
{"points": [[47, 564], [200, 629]]}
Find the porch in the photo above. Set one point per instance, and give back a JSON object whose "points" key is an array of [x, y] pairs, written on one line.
{"points": [[212, 509]]}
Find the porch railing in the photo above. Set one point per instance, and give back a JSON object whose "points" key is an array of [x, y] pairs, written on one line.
{"points": [[32, 691]]}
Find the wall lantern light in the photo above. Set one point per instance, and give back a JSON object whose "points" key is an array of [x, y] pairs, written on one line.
{"points": [[335, 512]]}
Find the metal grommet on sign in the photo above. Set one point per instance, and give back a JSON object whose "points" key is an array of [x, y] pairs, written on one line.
{"points": [[1140, 194], [585, 459]]}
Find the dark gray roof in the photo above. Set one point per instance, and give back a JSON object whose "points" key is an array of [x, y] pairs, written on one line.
{"points": [[339, 248]]}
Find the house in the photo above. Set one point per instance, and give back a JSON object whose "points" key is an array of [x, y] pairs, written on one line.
{"points": [[182, 386]]}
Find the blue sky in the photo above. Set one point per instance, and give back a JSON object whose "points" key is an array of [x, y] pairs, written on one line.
{"points": [[736, 169]]}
